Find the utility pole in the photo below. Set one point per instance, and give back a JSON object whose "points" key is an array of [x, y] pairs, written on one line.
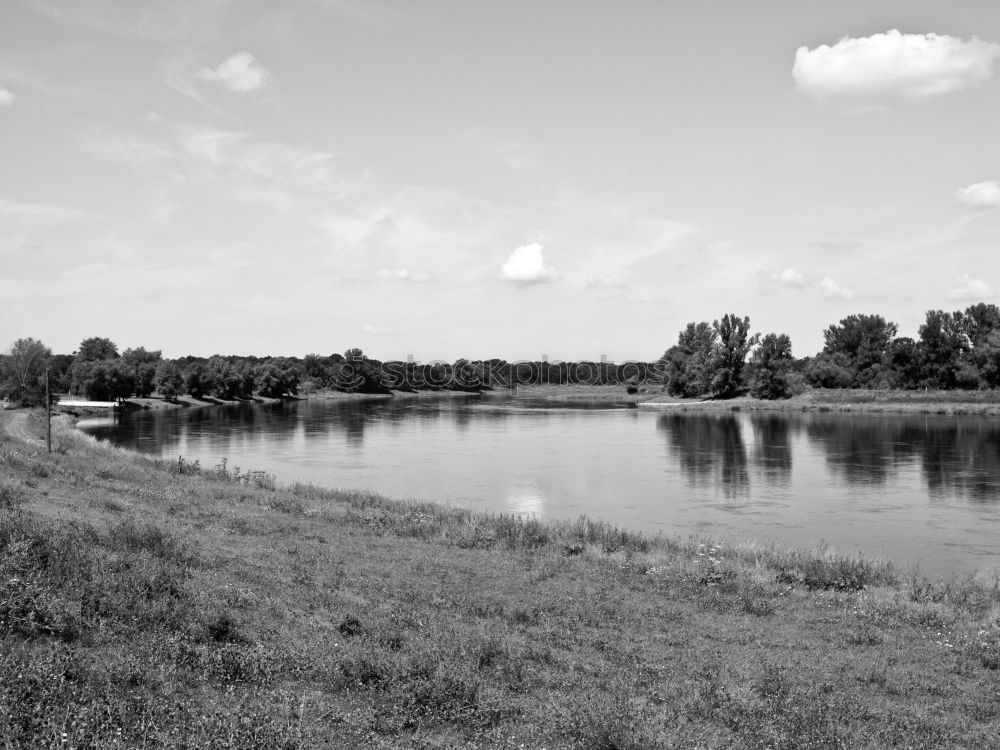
{"points": [[48, 414]]}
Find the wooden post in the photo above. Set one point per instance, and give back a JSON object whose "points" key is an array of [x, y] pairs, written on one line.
{"points": [[48, 414]]}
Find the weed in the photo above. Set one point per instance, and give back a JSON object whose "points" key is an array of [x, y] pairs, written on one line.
{"points": [[134, 535], [11, 497], [865, 634], [183, 466], [350, 627], [754, 600], [223, 629], [514, 532]]}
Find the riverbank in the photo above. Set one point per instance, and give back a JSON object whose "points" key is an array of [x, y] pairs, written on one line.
{"points": [[76, 408], [985, 403], [146, 603], [575, 393]]}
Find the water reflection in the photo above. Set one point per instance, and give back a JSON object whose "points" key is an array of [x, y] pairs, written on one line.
{"points": [[709, 450], [955, 456], [865, 450], [960, 458], [772, 452], [525, 499]]}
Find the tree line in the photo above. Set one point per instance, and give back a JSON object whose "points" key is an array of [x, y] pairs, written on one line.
{"points": [[98, 372], [953, 350], [721, 358]]}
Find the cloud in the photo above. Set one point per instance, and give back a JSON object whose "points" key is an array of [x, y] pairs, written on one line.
{"points": [[274, 162], [790, 277], [837, 244], [605, 285], [125, 148], [833, 290], [403, 274], [526, 265], [970, 289], [980, 195], [872, 71], [20, 221], [240, 73], [7, 97], [177, 20], [519, 155]]}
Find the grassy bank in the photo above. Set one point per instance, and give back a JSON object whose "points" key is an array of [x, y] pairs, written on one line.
{"points": [[575, 393], [849, 400], [147, 604]]}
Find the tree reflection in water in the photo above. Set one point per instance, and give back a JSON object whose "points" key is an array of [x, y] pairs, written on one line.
{"points": [[772, 451], [862, 450], [709, 449], [962, 458], [956, 456]]}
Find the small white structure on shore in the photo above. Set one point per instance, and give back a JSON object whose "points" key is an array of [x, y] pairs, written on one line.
{"points": [[90, 404]]}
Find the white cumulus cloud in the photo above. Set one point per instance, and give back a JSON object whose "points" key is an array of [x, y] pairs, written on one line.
{"points": [[7, 97], [240, 73], [875, 70], [789, 277], [526, 265], [832, 289], [980, 195], [970, 289]]}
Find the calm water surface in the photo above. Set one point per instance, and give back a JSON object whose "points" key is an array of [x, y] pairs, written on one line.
{"points": [[922, 489]]}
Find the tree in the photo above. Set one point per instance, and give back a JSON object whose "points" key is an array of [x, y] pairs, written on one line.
{"points": [[276, 378], [96, 348], [143, 366], [730, 354], [708, 358], [906, 361], [981, 368], [198, 381], [232, 379], [60, 372], [986, 360], [87, 379], [944, 344], [103, 380], [980, 321], [864, 340], [168, 381], [830, 371], [688, 363], [21, 377], [771, 364]]}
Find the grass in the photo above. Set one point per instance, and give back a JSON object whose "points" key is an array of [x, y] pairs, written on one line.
{"points": [[985, 402], [157, 605]]}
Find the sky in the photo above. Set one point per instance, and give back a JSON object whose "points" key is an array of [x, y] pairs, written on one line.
{"points": [[567, 179]]}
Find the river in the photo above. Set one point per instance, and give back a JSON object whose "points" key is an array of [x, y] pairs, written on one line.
{"points": [[922, 489]]}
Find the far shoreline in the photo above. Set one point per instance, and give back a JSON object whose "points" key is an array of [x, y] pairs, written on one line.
{"points": [[845, 401]]}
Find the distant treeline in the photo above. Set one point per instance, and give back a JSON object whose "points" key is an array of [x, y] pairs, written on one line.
{"points": [[98, 372], [723, 358]]}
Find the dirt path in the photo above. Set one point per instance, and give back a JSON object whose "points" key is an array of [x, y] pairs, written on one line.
{"points": [[17, 424]]}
